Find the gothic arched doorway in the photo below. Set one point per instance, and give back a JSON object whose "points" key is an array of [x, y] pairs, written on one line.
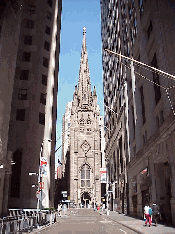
{"points": [[85, 199]]}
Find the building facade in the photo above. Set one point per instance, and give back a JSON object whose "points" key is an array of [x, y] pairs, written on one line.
{"points": [[34, 104], [84, 152], [10, 20], [144, 31], [115, 104]]}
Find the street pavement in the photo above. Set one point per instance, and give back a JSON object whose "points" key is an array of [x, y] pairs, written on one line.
{"points": [[88, 221], [85, 221], [137, 225]]}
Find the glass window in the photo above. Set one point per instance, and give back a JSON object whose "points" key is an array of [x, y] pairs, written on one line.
{"points": [[30, 24], [22, 94], [26, 57], [49, 3], [24, 75], [20, 114], [31, 9], [48, 30], [46, 45], [45, 62], [48, 15], [28, 40], [43, 98], [85, 176], [41, 118], [44, 80]]}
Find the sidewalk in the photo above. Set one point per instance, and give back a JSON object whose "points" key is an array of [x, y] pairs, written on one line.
{"points": [[137, 225]]}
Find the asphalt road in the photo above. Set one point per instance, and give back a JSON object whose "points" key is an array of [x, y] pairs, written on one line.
{"points": [[85, 221]]}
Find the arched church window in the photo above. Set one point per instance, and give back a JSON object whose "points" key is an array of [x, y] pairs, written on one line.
{"points": [[85, 176]]}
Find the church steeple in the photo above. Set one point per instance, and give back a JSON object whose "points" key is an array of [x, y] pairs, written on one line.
{"points": [[84, 86]]}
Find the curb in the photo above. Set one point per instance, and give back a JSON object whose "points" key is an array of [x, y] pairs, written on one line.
{"points": [[131, 228]]}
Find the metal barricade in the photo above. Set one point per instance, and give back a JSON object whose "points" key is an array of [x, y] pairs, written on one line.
{"points": [[25, 220]]}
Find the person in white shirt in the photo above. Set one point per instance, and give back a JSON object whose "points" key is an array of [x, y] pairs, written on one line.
{"points": [[147, 215]]}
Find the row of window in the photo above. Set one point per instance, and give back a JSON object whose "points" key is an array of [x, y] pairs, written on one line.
{"points": [[26, 58], [28, 41], [30, 25], [21, 114], [22, 95], [32, 9], [25, 76]]}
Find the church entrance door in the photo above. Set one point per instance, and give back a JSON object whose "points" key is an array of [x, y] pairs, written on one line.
{"points": [[85, 199]]}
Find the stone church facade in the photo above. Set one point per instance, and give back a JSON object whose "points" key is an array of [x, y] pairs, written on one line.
{"points": [[85, 140]]}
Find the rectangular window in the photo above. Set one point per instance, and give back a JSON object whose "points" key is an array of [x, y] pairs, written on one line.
{"points": [[44, 80], [20, 114], [88, 183], [143, 105], [45, 62], [49, 3], [26, 57], [48, 30], [157, 91], [28, 40], [41, 118], [30, 24], [82, 183], [46, 45], [48, 15], [31, 9], [24, 75], [22, 94], [43, 98]]}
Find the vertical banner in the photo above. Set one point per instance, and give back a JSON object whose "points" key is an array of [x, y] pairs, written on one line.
{"points": [[103, 175], [43, 167]]}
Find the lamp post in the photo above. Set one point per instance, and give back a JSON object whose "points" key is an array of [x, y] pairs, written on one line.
{"points": [[40, 174], [34, 185]]}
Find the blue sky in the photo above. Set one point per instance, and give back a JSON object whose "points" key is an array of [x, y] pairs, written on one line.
{"points": [[76, 15]]}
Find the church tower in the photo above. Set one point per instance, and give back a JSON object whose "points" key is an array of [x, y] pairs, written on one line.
{"points": [[85, 154]]}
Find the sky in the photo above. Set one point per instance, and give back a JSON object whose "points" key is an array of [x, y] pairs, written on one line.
{"points": [[77, 14]]}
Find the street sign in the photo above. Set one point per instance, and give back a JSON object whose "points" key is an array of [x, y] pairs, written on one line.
{"points": [[41, 185], [63, 192]]}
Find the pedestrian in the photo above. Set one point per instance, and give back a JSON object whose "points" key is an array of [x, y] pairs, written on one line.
{"points": [[156, 213], [59, 209], [147, 214]]}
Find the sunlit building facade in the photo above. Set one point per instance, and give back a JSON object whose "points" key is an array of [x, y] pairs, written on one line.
{"points": [[138, 29], [32, 126]]}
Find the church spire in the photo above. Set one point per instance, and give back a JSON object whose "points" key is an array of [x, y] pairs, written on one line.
{"points": [[84, 86]]}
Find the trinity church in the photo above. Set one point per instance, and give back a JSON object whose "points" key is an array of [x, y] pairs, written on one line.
{"points": [[81, 148]]}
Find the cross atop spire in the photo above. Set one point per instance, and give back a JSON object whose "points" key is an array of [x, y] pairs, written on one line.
{"points": [[84, 30], [84, 86]]}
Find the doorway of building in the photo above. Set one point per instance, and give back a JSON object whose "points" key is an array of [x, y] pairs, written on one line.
{"points": [[85, 199]]}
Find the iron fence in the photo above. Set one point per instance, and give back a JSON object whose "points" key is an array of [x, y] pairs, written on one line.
{"points": [[20, 221]]}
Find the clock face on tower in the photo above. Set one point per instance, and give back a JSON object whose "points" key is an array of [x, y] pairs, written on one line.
{"points": [[85, 146]]}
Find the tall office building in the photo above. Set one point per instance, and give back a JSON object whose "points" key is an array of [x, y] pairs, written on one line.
{"points": [[143, 30], [10, 20], [34, 104]]}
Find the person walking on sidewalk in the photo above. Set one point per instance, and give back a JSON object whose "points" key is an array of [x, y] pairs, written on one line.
{"points": [[147, 214], [156, 213]]}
